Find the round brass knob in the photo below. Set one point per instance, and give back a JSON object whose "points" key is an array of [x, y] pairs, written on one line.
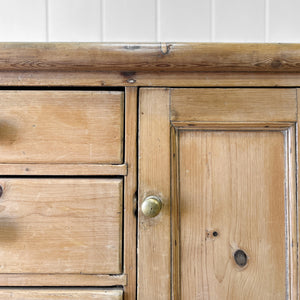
{"points": [[151, 206]]}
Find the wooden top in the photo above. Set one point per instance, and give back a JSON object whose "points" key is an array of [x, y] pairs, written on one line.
{"points": [[156, 57]]}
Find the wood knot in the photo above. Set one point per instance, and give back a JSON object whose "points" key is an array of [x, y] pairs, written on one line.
{"points": [[276, 63], [241, 258], [128, 74], [212, 234]]}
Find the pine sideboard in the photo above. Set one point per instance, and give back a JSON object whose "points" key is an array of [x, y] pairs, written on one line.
{"points": [[149, 171]]}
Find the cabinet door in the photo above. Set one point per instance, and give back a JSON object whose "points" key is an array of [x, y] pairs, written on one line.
{"points": [[223, 164]]}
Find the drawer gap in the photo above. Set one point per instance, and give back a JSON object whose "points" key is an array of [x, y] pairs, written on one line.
{"points": [[62, 88], [62, 176]]}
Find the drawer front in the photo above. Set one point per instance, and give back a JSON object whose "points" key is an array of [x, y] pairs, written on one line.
{"points": [[63, 294], [61, 127], [68, 226]]}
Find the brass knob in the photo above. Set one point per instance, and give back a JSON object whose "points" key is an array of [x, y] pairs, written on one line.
{"points": [[151, 206]]}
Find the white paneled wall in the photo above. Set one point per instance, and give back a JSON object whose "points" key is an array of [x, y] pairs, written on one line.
{"points": [[70, 20], [184, 20], [149, 20], [22, 20], [241, 21], [284, 20], [129, 20]]}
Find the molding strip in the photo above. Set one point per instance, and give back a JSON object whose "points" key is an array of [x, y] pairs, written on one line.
{"points": [[156, 57]]}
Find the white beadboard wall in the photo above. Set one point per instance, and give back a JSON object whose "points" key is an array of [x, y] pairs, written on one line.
{"points": [[149, 21]]}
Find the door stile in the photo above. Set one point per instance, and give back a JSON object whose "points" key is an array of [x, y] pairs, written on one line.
{"points": [[297, 130], [291, 213], [175, 216], [154, 238]]}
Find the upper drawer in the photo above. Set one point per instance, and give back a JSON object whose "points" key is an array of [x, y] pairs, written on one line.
{"points": [[61, 127]]}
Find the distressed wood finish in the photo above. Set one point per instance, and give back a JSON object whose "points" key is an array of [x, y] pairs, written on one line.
{"points": [[61, 127], [233, 125], [62, 169], [172, 57], [297, 186], [232, 173], [175, 216], [292, 211], [152, 79], [67, 280], [232, 183], [70, 226], [154, 179], [130, 192], [221, 155], [233, 105], [60, 294]]}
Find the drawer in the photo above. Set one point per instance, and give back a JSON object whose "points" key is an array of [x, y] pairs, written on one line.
{"points": [[61, 127], [61, 226], [58, 293]]}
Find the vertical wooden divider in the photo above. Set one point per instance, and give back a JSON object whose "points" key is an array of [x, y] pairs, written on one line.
{"points": [[292, 235], [175, 215], [297, 190], [130, 189], [154, 242]]}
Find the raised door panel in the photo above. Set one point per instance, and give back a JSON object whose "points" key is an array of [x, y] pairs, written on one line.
{"points": [[228, 227], [232, 199]]}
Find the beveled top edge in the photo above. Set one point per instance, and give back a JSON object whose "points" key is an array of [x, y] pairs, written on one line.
{"points": [[150, 57]]}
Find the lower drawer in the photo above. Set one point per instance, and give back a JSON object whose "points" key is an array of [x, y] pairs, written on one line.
{"points": [[60, 226], [60, 294]]}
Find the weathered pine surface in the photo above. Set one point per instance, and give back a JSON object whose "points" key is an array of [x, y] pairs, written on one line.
{"points": [[64, 226], [61, 127], [60, 294], [172, 57]]}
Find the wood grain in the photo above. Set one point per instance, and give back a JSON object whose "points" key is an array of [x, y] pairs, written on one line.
{"points": [[273, 126], [59, 293], [131, 79], [67, 280], [154, 179], [134, 65], [61, 127], [297, 187], [233, 105], [70, 226], [130, 191], [291, 208], [62, 169], [175, 215], [232, 183], [157, 57]]}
